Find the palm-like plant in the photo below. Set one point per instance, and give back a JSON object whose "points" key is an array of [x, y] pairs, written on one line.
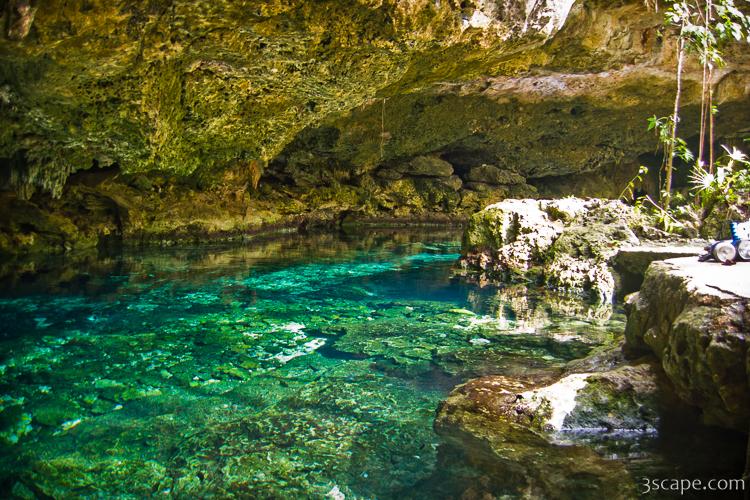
{"points": [[721, 185]]}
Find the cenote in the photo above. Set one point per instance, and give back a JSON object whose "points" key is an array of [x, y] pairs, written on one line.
{"points": [[374, 249], [300, 367]]}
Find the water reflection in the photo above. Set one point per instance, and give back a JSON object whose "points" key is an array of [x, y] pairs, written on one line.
{"points": [[287, 368]]}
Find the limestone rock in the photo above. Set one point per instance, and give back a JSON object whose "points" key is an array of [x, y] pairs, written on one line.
{"points": [[541, 88], [390, 174], [630, 263], [505, 222], [327, 111], [596, 240], [541, 433], [454, 182], [490, 174], [429, 166], [515, 429], [571, 273], [629, 397], [169, 91], [481, 187], [694, 317], [568, 242], [509, 236]]}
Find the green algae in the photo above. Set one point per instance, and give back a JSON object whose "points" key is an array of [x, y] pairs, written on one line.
{"points": [[285, 374]]}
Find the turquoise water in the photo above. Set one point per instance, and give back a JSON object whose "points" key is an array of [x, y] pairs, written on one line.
{"points": [[296, 368]]}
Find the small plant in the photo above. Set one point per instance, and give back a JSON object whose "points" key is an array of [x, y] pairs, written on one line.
{"points": [[663, 127], [628, 194], [730, 180]]}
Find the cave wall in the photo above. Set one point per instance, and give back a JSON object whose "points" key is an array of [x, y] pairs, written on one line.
{"points": [[167, 120]]}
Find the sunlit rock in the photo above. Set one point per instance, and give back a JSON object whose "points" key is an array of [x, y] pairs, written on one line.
{"points": [[568, 243], [693, 316], [542, 430]]}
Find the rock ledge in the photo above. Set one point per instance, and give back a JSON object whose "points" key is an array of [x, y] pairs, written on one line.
{"points": [[695, 318]]}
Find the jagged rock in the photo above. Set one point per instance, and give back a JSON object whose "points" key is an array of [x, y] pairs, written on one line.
{"points": [[547, 90], [167, 92], [568, 242], [571, 273], [517, 230], [490, 174], [580, 256], [694, 317], [189, 94], [594, 240]]}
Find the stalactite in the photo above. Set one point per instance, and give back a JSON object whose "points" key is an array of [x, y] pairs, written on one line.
{"points": [[47, 176]]}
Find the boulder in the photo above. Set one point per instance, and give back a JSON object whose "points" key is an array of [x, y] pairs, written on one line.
{"points": [[567, 242], [490, 174], [694, 317], [534, 434], [428, 166], [510, 236]]}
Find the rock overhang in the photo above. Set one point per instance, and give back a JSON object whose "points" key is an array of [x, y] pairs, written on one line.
{"points": [[193, 88]]}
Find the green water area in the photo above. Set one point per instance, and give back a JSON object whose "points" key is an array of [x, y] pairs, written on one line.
{"points": [[302, 367]]}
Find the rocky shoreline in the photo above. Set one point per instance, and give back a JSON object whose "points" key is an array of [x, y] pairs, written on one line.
{"points": [[97, 209], [589, 247], [694, 317], [685, 340]]}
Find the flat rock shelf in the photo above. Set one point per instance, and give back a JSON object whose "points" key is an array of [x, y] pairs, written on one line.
{"points": [[693, 316]]}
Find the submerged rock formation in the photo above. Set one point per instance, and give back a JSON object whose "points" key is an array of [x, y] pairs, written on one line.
{"points": [[187, 119], [536, 434], [695, 318]]}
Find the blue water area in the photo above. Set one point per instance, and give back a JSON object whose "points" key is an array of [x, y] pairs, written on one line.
{"points": [[300, 367]]}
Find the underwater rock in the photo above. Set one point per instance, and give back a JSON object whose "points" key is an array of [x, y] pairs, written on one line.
{"points": [[538, 432], [693, 316], [567, 242], [505, 427]]}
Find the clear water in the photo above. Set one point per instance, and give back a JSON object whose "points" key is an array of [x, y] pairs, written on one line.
{"points": [[297, 368]]}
